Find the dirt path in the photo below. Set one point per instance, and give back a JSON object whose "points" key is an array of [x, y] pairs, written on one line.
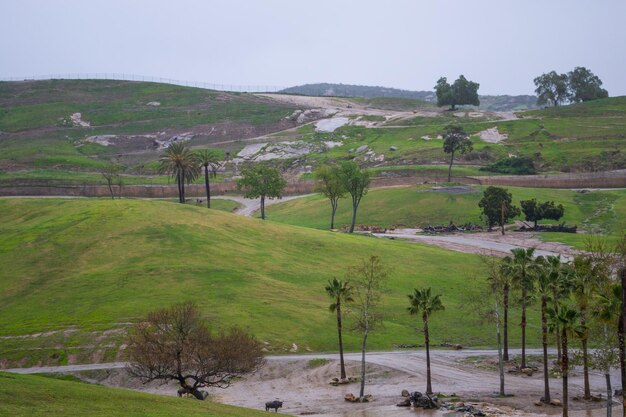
{"points": [[485, 243], [305, 390], [249, 206]]}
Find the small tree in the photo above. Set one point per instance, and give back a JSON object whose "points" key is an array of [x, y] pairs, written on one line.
{"points": [[356, 183], [330, 185], [340, 292], [535, 211], [497, 207], [584, 85], [460, 93], [455, 140], [175, 344], [261, 181], [551, 88], [111, 174], [423, 302], [368, 280], [210, 160]]}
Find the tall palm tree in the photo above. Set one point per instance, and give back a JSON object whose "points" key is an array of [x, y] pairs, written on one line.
{"points": [[339, 291], [178, 161], [422, 301], [544, 284], [210, 160], [569, 323], [521, 267], [501, 281], [608, 311]]}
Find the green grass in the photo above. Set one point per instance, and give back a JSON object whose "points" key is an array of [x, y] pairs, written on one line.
{"points": [[598, 212], [80, 267], [32, 395]]}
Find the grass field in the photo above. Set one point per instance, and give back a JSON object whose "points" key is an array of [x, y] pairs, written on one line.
{"points": [[599, 212], [81, 269], [32, 396]]}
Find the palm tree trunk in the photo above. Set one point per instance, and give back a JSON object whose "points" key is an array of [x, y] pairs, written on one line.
{"points": [[523, 324], [586, 367], [341, 361], [429, 388], [182, 186], [361, 393], [450, 167], [180, 191], [565, 369], [620, 332], [506, 322], [544, 336], [207, 186], [609, 395], [263, 207], [559, 353], [500, 358]]}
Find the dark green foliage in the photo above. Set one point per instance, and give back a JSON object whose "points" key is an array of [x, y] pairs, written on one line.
{"points": [[497, 207], [261, 181], [522, 165], [551, 89], [356, 183], [460, 93], [584, 85], [535, 211]]}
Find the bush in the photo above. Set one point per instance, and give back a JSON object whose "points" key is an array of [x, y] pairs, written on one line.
{"points": [[515, 166]]}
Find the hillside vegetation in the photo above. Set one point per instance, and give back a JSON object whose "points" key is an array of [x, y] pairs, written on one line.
{"points": [[81, 270], [598, 212], [33, 396], [37, 131]]}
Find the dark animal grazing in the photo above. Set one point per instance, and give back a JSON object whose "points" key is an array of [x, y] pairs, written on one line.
{"points": [[273, 404]]}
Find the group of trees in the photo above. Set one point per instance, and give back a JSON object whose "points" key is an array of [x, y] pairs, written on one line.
{"points": [[578, 85], [497, 208], [335, 181], [461, 92], [578, 298], [362, 291], [180, 162]]}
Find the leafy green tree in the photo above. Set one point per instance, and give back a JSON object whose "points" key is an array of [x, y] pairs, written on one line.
{"points": [[422, 301], [210, 160], [340, 292], [551, 89], [568, 320], [497, 207], [522, 267], [535, 211], [261, 181], [368, 280], [584, 85], [356, 183], [330, 185], [178, 161], [455, 140], [461, 92]]}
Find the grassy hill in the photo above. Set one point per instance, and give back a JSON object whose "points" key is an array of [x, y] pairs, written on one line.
{"points": [[32, 396], [600, 212], [75, 273], [38, 134]]}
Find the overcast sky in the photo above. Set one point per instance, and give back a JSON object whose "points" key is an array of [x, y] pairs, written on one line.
{"points": [[408, 44]]}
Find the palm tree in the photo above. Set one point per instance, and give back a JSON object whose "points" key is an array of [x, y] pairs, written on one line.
{"points": [[178, 161], [568, 320], [501, 280], [422, 301], [339, 291], [545, 281], [521, 267], [209, 158]]}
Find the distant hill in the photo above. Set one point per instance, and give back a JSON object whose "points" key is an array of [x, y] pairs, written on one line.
{"points": [[493, 103]]}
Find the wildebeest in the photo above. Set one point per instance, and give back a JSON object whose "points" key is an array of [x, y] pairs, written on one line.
{"points": [[273, 404]]}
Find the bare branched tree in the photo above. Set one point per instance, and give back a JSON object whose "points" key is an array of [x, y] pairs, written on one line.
{"points": [[175, 344]]}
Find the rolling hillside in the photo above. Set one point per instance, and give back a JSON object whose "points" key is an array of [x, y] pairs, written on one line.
{"points": [[75, 273]]}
